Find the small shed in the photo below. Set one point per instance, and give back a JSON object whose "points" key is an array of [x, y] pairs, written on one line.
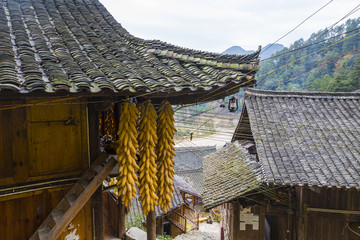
{"points": [[292, 170], [65, 66], [189, 167], [172, 222]]}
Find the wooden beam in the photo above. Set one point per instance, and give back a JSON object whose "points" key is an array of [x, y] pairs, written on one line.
{"points": [[235, 228], [301, 218], [97, 203], [262, 213], [121, 228], [151, 225], [82, 199], [327, 210]]}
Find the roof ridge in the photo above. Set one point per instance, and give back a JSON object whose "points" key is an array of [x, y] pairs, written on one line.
{"points": [[301, 94]]}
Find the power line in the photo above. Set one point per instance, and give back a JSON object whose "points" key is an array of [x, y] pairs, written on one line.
{"points": [[288, 78], [323, 32], [297, 26], [292, 63], [309, 45]]}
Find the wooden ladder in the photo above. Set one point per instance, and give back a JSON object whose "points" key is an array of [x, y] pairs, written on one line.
{"points": [[75, 199]]}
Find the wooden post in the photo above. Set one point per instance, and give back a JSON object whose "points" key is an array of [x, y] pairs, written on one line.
{"points": [[301, 227], [235, 225], [262, 222], [197, 221], [94, 143], [99, 221], [121, 224], [151, 225]]}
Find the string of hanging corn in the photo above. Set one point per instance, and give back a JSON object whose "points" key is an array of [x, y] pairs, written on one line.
{"points": [[165, 154], [147, 143], [126, 147]]}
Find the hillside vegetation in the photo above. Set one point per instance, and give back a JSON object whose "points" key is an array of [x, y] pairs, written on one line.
{"points": [[342, 74]]}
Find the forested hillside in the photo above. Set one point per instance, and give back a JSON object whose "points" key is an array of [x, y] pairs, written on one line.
{"points": [[339, 74]]}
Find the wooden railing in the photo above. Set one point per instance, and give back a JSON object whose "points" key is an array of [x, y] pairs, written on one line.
{"points": [[190, 213], [183, 223]]}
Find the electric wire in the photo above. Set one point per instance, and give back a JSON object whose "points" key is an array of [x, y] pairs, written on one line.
{"points": [[309, 45], [298, 25], [322, 33], [245, 95]]}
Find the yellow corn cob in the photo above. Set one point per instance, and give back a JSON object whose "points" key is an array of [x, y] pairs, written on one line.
{"points": [[109, 123], [165, 154], [147, 143], [126, 147]]}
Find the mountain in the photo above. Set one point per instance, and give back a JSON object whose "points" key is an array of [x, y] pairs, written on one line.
{"points": [[237, 50], [269, 50]]}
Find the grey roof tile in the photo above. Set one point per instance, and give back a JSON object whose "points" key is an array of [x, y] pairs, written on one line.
{"points": [[228, 173], [136, 211], [76, 45], [307, 138]]}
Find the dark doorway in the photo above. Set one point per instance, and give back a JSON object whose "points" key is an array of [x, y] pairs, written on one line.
{"points": [[167, 228]]}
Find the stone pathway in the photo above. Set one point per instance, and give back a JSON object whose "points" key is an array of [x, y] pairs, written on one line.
{"points": [[205, 232]]}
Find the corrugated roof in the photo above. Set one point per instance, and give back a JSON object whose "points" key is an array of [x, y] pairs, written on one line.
{"points": [[228, 173], [76, 45], [307, 138]]}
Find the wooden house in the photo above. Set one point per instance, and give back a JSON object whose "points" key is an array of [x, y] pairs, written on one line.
{"points": [[292, 170], [179, 218], [189, 169], [63, 63]]}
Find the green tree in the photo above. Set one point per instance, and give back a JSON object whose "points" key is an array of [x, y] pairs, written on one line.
{"points": [[322, 84]]}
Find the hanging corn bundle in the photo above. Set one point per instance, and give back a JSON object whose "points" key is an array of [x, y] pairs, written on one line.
{"points": [[165, 153], [147, 143], [108, 123], [126, 147]]}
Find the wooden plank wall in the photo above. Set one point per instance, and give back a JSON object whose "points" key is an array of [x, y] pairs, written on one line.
{"points": [[175, 231], [317, 225], [232, 222], [36, 144], [324, 226], [22, 215]]}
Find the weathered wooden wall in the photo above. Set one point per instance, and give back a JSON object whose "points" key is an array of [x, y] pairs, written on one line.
{"points": [[330, 226], [111, 212], [37, 144], [232, 222], [21, 216], [41, 143], [289, 223], [175, 231]]}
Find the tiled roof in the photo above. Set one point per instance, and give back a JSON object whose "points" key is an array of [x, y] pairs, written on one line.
{"points": [[194, 178], [228, 173], [306, 138], [136, 211], [76, 45], [190, 158], [189, 166], [185, 186]]}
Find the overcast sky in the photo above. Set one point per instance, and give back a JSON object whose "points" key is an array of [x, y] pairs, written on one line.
{"points": [[215, 25]]}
